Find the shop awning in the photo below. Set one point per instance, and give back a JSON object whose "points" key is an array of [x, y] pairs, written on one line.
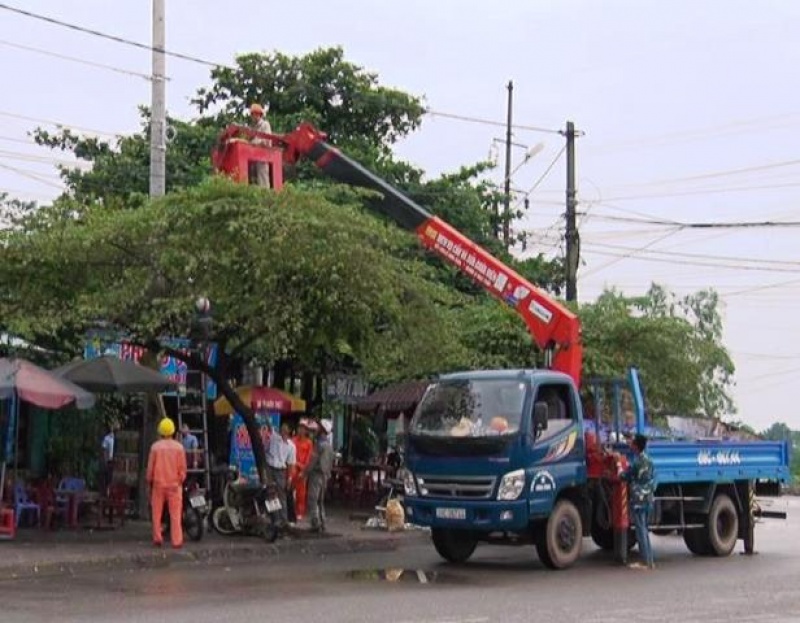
{"points": [[393, 399]]}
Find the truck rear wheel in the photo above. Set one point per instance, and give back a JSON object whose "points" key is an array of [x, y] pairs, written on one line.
{"points": [[696, 542], [722, 526], [558, 542], [454, 546]]}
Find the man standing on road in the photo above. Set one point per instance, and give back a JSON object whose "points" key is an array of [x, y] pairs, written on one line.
{"points": [[281, 458], [640, 479], [305, 447], [107, 460], [166, 471], [319, 472]]}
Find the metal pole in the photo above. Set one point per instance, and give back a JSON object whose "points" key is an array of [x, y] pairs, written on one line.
{"points": [[158, 111], [507, 186], [572, 239]]}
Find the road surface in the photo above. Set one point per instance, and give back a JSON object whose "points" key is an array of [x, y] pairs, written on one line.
{"points": [[413, 586]]}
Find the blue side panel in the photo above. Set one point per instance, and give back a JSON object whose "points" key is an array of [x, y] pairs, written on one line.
{"points": [[719, 461]]}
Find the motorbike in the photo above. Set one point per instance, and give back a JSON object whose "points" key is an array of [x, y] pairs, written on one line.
{"points": [[247, 508], [193, 514]]}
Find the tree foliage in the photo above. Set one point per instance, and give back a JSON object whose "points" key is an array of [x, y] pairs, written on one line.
{"points": [[289, 274], [675, 343]]}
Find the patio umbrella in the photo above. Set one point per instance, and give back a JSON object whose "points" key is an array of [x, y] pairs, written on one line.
{"points": [[24, 381], [261, 398], [111, 374]]}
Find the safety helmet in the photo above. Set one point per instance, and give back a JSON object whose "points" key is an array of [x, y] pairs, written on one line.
{"points": [[166, 427], [256, 109]]}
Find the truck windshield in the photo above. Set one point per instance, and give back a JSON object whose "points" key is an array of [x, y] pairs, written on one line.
{"points": [[470, 408]]}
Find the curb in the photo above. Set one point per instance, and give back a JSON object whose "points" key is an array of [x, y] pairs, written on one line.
{"points": [[198, 554]]}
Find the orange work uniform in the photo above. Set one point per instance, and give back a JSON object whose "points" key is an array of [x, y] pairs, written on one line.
{"points": [[166, 471], [305, 448]]}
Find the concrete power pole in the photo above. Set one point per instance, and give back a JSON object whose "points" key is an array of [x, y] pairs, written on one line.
{"points": [[572, 237], [158, 108], [507, 186]]}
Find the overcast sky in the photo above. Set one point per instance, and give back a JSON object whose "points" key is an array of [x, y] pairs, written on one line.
{"points": [[690, 110]]}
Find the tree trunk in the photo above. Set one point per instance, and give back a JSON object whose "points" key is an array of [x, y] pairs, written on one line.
{"points": [[217, 373]]}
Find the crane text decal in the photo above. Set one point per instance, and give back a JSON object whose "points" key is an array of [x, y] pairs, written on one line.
{"points": [[475, 262]]}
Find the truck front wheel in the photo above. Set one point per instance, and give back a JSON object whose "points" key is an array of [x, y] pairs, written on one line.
{"points": [[558, 541], [454, 546]]}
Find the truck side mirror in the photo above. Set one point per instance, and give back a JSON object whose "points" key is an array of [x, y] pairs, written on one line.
{"points": [[540, 413]]}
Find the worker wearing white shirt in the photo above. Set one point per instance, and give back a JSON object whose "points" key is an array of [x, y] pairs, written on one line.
{"points": [[106, 474], [281, 458], [259, 123]]}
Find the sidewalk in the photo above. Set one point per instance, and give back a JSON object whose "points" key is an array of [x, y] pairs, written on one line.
{"points": [[37, 553]]}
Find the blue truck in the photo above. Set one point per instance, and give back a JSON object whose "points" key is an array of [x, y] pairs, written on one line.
{"points": [[504, 456]]}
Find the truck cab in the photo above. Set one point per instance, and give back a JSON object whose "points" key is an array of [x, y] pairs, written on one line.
{"points": [[490, 454]]}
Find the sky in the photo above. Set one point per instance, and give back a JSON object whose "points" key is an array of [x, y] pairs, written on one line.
{"points": [[689, 111]]}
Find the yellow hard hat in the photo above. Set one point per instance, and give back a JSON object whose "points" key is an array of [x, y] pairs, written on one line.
{"points": [[166, 427], [256, 109]]}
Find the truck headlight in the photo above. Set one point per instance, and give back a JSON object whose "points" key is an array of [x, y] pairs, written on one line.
{"points": [[512, 485], [409, 485]]}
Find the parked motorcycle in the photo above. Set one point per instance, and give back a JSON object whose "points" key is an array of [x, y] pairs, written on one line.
{"points": [[194, 511], [248, 509]]}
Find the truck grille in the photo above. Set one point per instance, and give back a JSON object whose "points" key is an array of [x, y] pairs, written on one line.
{"points": [[456, 487]]}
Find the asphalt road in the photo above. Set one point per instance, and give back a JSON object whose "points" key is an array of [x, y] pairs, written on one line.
{"points": [[499, 584]]}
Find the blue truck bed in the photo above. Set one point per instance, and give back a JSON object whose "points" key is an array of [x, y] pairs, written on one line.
{"points": [[719, 460]]}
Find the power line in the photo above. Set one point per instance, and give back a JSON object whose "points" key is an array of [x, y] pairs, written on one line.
{"points": [[704, 191], [620, 257], [18, 155], [634, 254], [58, 124], [715, 174], [501, 124], [721, 258], [761, 288], [75, 59], [115, 38], [699, 224], [547, 170], [31, 175], [732, 128]]}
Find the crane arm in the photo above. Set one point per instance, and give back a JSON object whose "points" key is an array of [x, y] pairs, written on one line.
{"points": [[555, 329]]}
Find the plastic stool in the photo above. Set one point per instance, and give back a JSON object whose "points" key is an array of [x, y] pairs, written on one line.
{"points": [[8, 527]]}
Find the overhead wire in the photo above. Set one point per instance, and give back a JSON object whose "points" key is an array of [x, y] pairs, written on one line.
{"points": [[81, 61], [104, 35], [59, 124]]}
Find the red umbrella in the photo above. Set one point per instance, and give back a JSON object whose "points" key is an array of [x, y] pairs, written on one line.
{"points": [[35, 385]]}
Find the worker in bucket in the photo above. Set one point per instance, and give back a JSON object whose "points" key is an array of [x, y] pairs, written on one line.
{"points": [[641, 483], [166, 471], [259, 123]]}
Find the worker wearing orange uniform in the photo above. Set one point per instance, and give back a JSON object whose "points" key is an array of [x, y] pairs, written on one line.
{"points": [[305, 448], [166, 471]]}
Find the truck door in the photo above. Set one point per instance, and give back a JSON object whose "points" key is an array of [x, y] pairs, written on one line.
{"points": [[557, 452]]}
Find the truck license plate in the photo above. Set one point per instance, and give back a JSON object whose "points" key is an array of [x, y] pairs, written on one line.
{"points": [[197, 501], [273, 505], [451, 513]]}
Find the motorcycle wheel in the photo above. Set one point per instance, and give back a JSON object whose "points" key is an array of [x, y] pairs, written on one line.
{"points": [[193, 524], [269, 531], [222, 522]]}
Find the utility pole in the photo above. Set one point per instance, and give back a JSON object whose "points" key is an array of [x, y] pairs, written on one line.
{"points": [[158, 109], [572, 237], [507, 188]]}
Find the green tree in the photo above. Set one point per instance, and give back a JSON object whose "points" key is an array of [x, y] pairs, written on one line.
{"points": [[286, 272], [675, 343]]}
